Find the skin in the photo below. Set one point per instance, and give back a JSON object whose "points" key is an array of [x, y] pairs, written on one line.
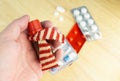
{"points": [[18, 60]]}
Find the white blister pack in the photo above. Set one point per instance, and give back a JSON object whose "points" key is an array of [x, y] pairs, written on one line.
{"points": [[69, 56], [86, 23]]}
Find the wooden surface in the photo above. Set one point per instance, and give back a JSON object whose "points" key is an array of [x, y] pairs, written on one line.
{"points": [[98, 60]]}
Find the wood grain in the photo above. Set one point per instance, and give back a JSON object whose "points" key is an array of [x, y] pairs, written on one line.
{"points": [[98, 60]]}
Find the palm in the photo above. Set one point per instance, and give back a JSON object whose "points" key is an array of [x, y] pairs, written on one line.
{"points": [[22, 63]]}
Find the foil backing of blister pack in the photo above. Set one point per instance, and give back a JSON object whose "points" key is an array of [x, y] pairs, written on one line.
{"points": [[69, 56], [86, 23]]}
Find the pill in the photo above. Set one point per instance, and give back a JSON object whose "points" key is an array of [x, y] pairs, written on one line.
{"points": [[97, 35], [94, 28], [85, 28], [79, 18], [56, 13], [71, 39], [61, 18], [86, 16], [90, 21], [60, 9], [75, 32], [83, 23], [79, 43], [83, 10], [76, 12]]}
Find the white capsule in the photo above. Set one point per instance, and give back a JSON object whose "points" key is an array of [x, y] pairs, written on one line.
{"points": [[83, 10], [76, 12], [79, 18], [56, 13], [90, 21], [86, 16], [60, 9], [94, 28], [83, 23]]}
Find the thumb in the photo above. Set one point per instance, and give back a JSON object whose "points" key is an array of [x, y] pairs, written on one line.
{"points": [[13, 30]]}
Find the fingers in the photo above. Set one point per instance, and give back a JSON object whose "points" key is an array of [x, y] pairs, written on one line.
{"points": [[46, 24], [58, 54], [14, 29], [55, 44]]}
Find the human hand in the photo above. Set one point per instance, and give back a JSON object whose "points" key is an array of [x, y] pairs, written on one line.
{"points": [[18, 60]]}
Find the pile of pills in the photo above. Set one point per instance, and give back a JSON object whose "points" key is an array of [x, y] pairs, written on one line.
{"points": [[86, 23], [69, 56], [57, 13]]}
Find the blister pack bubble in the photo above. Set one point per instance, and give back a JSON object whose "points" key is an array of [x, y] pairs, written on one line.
{"points": [[86, 23], [69, 56]]}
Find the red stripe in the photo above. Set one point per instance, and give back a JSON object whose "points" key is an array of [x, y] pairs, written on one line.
{"points": [[47, 57], [52, 33], [45, 33], [63, 38], [38, 37], [50, 67], [45, 51], [47, 63], [57, 37], [44, 45]]}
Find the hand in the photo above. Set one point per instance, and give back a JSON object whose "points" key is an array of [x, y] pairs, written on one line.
{"points": [[18, 60]]}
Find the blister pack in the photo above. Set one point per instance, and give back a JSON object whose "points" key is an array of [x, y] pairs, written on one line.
{"points": [[84, 29], [69, 56], [86, 23]]}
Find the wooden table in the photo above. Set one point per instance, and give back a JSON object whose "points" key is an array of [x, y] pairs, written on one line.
{"points": [[98, 60]]}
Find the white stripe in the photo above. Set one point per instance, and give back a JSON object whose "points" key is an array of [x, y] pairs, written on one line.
{"points": [[60, 37], [44, 48], [35, 37], [44, 55], [48, 33], [42, 42], [49, 65], [55, 34], [41, 34], [47, 60]]}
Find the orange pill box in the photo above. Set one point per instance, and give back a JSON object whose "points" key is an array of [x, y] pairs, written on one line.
{"points": [[86, 23]]}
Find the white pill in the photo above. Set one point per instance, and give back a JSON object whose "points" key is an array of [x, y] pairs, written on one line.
{"points": [[94, 28], [79, 18], [84, 28], [86, 32], [97, 36], [56, 13], [76, 12], [83, 23], [83, 10], [90, 21], [61, 18], [60, 9], [86, 16]]}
